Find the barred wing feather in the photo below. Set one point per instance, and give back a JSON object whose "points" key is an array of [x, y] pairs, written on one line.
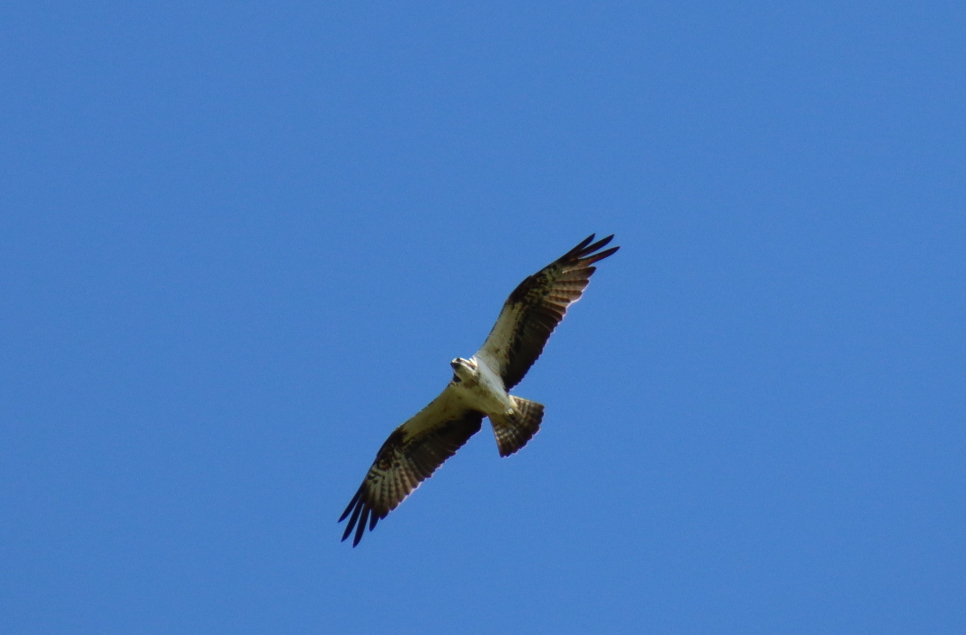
{"points": [[537, 306], [408, 457]]}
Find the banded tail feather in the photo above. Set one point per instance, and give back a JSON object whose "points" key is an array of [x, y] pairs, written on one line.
{"points": [[513, 432]]}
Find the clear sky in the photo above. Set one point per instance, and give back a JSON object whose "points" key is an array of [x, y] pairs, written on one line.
{"points": [[240, 243]]}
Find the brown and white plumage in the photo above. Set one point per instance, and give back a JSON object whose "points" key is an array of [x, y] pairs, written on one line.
{"points": [[537, 306], [479, 388]]}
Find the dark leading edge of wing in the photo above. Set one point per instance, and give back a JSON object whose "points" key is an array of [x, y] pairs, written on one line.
{"points": [[403, 462], [537, 306]]}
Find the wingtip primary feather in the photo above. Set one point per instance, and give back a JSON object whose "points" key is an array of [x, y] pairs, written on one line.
{"points": [[361, 527], [600, 256], [589, 249], [575, 252], [357, 507], [586, 248], [348, 509]]}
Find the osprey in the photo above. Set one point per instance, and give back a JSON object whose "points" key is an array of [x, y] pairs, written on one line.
{"points": [[479, 388]]}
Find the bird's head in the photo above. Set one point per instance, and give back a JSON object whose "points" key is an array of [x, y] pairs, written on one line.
{"points": [[463, 369]]}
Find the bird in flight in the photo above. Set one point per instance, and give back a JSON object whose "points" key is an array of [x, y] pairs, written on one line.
{"points": [[479, 388]]}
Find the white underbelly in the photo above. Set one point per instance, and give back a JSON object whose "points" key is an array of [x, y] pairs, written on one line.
{"points": [[488, 393]]}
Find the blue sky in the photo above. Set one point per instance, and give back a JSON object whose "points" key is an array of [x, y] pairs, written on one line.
{"points": [[240, 243]]}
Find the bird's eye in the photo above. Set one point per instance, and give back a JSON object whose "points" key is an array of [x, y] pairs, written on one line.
{"points": [[456, 379]]}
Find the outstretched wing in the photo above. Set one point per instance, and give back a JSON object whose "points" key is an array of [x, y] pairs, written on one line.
{"points": [[408, 457], [537, 306]]}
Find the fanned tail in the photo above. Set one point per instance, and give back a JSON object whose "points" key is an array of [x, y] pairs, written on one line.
{"points": [[513, 432]]}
